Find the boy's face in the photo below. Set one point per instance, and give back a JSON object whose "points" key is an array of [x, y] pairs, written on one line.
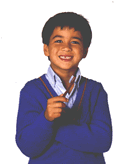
{"points": [[65, 49]]}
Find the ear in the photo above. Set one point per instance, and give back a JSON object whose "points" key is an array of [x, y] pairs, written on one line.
{"points": [[85, 52], [46, 51]]}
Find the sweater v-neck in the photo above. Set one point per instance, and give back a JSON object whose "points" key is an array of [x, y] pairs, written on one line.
{"points": [[79, 93]]}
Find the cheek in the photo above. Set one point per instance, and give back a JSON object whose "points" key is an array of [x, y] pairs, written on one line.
{"points": [[81, 52], [80, 49], [53, 49]]}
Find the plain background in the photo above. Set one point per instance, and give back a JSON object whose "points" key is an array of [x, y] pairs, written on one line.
{"points": [[110, 61]]}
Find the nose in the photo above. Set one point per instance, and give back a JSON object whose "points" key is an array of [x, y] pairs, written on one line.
{"points": [[66, 47]]}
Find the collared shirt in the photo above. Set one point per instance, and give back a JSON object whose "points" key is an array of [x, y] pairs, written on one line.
{"points": [[58, 87]]}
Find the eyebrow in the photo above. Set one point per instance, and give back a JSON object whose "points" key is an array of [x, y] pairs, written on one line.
{"points": [[77, 38], [59, 36]]}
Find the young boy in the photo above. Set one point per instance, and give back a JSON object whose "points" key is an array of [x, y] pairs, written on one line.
{"points": [[54, 127]]}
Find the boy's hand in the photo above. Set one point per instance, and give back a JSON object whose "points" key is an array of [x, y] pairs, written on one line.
{"points": [[54, 107]]}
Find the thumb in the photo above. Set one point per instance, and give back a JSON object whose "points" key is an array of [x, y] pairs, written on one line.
{"points": [[61, 95]]}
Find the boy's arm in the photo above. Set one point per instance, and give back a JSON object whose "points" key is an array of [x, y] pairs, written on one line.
{"points": [[34, 131], [95, 137]]}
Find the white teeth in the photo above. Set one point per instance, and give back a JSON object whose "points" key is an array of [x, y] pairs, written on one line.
{"points": [[65, 57]]}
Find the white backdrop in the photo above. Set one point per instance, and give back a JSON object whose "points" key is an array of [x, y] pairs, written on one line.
{"points": [[110, 61]]}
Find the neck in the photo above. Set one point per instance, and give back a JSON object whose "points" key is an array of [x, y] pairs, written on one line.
{"points": [[65, 76]]}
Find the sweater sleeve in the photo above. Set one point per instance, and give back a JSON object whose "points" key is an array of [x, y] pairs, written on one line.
{"points": [[34, 132], [94, 137]]}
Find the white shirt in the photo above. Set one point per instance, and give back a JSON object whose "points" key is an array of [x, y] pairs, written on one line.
{"points": [[58, 87]]}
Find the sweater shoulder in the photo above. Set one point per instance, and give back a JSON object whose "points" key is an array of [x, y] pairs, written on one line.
{"points": [[32, 86], [94, 86], [93, 83]]}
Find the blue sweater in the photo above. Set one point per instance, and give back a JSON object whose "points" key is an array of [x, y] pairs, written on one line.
{"points": [[79, 136]]}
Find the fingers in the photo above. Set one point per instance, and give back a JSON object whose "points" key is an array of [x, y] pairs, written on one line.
{"points": [[55, 107], [53, 113], [57, 110], [58, 99]]}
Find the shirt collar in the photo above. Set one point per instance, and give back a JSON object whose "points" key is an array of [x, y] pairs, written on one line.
{"points": [[55, 78]]}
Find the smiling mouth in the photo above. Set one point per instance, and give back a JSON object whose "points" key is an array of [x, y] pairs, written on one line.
{"points": [[64, 57]]}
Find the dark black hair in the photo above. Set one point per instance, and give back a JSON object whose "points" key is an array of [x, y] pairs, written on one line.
{"points": [[71, 20]]}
